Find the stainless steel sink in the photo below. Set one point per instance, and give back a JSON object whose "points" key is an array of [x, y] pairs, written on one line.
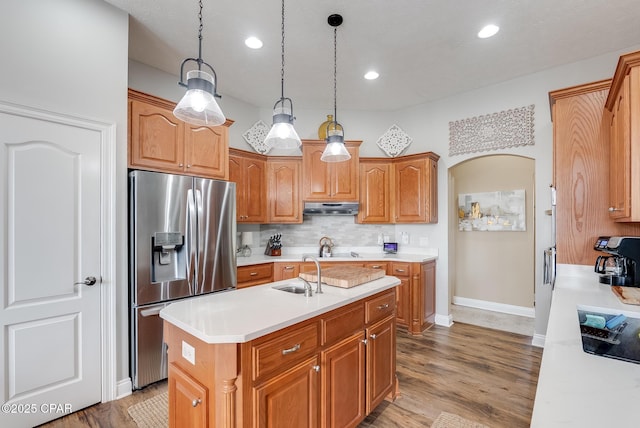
{"points": [[291, 288]]}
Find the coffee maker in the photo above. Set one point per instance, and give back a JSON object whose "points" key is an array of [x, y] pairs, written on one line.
{"points": [[620, 266]]}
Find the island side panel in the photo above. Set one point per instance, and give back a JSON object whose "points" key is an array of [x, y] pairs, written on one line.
{"points": [[215, 365]]}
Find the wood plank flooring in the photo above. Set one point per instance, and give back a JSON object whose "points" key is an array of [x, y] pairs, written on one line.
{"points": [[485, 375]]}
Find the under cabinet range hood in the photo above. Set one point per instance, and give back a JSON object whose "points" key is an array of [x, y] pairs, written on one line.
{"points": [[330, 208]]}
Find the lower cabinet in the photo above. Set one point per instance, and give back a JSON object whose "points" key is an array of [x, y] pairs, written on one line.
{"points": [[254, 274], [416, 295], [329, 371], [188, 400]]}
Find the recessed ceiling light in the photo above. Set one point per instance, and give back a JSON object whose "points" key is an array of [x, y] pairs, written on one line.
{"points": [[371, 75], [488, 31], [253, 43]]}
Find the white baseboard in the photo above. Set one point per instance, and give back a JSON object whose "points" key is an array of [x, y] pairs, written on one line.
{"points": [[538, 340], [124, 387], [495, 307], [444, 320]]}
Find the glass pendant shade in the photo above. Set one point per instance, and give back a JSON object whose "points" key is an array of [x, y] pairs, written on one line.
{"points": [[282, 134], [335, 150], [199, 106]]}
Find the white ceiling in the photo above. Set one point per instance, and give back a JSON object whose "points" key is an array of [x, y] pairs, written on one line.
{"points": [[424, 50]]}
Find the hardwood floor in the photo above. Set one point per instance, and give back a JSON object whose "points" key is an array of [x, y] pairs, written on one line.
{"points": [[487, 376]]}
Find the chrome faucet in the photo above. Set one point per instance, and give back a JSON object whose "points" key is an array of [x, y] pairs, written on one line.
{"points": [[313, 259], [308, 291]]}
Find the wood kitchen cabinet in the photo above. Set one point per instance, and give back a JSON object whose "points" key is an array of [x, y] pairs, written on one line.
{"points": [[329, 371], [376, 204], [285, 270], [188, 400], [158, 141], [416, 188], [416, 295], [622, 116], [402, 271], [248, 171], [284, 178], [254, 274], [581, 172], [329, 181], [399, 190]]}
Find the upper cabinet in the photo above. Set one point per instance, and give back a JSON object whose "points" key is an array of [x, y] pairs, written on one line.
{"points": [[158, 141], [399, 190], [622, 118], [329, 181], [283, 182], [248, 171]]}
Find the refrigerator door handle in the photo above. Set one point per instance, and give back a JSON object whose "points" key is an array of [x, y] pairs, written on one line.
{"points": [[199, 236], [191, 239]]}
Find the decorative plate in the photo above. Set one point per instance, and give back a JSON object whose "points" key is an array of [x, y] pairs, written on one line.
{"points": [[255, 136], [394, 141]]}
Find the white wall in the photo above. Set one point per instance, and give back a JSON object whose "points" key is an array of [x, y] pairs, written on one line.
{"points": [[70, 57]]}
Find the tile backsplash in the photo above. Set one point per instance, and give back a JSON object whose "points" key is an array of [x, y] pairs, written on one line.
{"points": [[342, 230]]}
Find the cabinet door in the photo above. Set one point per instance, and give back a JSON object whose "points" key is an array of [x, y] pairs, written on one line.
{"points": [[285, 205], [343, 383], [155, 138], [403, 292], [345, 176], [375, 192], [255, 191], [206, 151], [428, 279], [620, 156], [236, 175], [411, 187], [285, 271], [317, 175], [381, 361], [289, 399], [188, 400]]}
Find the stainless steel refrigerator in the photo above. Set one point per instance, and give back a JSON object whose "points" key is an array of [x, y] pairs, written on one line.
{"points": [[182, 243]]}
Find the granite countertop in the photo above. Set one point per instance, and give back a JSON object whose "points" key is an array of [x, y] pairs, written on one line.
{"points": [[411, 255], [576, 389], [238, 316]]}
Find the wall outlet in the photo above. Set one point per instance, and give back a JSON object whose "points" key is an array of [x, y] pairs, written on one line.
{"points": [[188, 352]]}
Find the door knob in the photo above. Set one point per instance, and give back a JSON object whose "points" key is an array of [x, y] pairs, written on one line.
{"points": [[90, 280]]}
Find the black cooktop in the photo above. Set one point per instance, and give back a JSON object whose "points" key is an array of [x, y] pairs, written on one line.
{"points": [[621, 343]]}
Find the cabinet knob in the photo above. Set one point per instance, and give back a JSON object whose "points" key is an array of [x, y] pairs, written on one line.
{"points": [[180, 165], [317, 369], [612, 209], [373, 336], [195, 402]]}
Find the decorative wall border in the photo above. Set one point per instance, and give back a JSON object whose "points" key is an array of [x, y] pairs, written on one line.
{"points": [[505, 129]]}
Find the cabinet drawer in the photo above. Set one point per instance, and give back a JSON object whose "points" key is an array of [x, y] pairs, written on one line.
{"points": [[287, 348], [380, 306], [342, 323], [400, 269], [255, 274], [378, 265]]}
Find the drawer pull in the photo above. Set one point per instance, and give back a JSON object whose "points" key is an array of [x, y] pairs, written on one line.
{"points": [[295, 348], [253, 273], [400, 270], [372, 336], [288, 268], [385, 306], [376, 267], [195, 402]]}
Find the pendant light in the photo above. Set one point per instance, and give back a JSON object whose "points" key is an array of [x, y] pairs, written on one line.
{"points": [[335, 151], [199, 106], [282, 134]]}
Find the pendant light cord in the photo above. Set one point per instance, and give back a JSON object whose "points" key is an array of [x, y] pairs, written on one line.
{"points": [[335, 73], [199, 60], [282, 46]]}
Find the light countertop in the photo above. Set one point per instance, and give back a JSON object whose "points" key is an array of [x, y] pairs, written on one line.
{"points": [[242, 315], [576, 389], [365, 255]]}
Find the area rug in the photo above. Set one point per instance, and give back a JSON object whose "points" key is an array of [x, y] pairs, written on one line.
{"points": [[449, 420], [152, 412]]}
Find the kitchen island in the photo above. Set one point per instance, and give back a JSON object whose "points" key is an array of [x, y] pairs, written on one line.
{"points": [[577, 389], [265, 357]]}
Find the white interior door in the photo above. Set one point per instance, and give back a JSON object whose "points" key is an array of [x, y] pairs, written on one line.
{"points": [[50, 195]]}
